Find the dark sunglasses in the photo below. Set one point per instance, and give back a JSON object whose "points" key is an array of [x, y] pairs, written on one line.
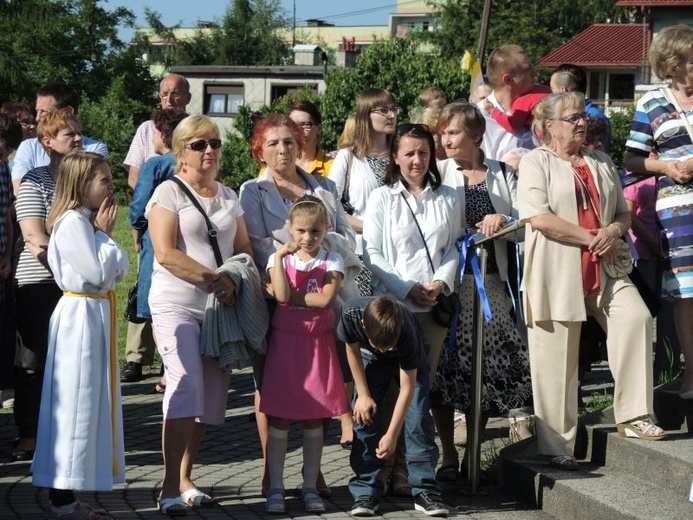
{"points": [[201, 145], [415, 128]]}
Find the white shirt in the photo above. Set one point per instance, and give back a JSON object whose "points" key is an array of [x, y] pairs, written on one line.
{"points": [[142, 146], [393, 247]]}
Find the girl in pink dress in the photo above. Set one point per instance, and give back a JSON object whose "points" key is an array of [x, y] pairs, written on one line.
{"points": [[302, 378]]}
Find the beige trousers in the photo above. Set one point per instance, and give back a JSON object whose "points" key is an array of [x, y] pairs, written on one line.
{"points": [[553, 356], [140, 345]]}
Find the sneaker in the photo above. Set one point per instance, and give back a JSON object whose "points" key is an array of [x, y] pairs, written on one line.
{"points": [[131, 373], [365, 505], [7, 398], [431, 504]]}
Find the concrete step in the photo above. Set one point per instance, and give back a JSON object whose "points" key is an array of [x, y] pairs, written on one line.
{"points": [[622, 478], [667, 464]]}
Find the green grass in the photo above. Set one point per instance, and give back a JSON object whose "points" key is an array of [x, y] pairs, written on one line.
{"points": [[123, 235]]}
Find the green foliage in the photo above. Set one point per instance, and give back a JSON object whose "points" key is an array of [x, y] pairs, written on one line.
{"points": [[113, 119], [620, 129], [403, 66], [247, 35], [539, 26], [50, 41]]}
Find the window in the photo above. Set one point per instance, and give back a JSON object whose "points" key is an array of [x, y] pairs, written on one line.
{"points": [[223, 100]]}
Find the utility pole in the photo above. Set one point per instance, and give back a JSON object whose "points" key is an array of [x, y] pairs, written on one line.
{"points": [[293, 38], [483, 33]]}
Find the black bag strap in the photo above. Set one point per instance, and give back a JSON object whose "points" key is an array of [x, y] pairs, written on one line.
{"points": [[211, 232], [420, 233], [347, 178]]}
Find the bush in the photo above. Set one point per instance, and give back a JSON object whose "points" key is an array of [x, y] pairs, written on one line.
{"points": [[114, 119], [620, 129]]}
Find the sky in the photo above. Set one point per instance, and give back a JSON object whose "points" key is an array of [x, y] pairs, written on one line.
{"points": [[187, 12]]}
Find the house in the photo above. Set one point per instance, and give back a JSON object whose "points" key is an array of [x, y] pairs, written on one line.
{"points": [[615, 56], [218, 91]]}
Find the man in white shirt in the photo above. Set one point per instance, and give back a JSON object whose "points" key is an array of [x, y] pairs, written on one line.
{"points": [[174, 91], [511, 74], [30, 153]]}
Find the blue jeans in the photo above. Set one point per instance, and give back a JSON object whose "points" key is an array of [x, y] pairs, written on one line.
{"points": [[144, 276], [419, 434]]}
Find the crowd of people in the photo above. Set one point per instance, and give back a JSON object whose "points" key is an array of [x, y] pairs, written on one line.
{"points": [[343, 270]]}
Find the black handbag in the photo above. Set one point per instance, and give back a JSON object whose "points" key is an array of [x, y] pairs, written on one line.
{"points": [[447, 306], [131, 306]]}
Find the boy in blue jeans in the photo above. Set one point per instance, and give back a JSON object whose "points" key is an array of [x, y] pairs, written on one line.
{"points": [[385, 342]]}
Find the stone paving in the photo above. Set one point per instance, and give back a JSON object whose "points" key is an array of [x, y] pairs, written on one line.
{"points": [[228, 468]]}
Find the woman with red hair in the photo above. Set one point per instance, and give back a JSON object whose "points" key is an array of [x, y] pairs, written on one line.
{"points": [[277, 143]]}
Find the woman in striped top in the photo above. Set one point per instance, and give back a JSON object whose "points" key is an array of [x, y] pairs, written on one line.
{"points": [[661, 143], [37, 294]]}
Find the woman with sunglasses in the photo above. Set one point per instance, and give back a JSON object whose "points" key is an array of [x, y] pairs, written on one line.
{"points": [[184, 276], [487, 194], [361, 168], [411, 225], [277, 143]]}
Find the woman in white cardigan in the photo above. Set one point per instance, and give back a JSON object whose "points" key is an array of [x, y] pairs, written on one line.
{"points": [[486, 190]]}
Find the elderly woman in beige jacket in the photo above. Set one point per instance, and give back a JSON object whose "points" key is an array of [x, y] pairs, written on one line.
{"points": [[572, 199]]}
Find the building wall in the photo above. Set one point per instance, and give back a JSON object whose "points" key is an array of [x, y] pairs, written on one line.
{"points": [[257, 91]]}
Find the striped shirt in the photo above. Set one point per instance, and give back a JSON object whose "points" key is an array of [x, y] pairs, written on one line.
{"points": [[657, 126], [34, 202]]}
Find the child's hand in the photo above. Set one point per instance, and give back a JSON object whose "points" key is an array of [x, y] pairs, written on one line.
{"points": [[105, 217], [224, 289], [364, 408], [288, 248], [386, 446]]}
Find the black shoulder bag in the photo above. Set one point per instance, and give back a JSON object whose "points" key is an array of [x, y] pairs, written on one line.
{"points": [[447, 307], [211, 232]]}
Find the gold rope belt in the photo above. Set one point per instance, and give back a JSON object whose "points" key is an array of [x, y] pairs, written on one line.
{"points": [[111, 297]]}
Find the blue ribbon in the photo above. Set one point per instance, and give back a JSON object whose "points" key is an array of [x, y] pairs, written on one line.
{"points": [[466, 244]]}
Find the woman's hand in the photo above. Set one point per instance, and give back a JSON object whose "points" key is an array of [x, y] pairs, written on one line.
{"points": [[423, 296], [680, 172], [105, 217], [224, 289], [604, 238], [491, 224]]}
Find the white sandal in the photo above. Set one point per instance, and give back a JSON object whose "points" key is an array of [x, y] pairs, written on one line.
{"points": [[193, 497], [642, 428]]}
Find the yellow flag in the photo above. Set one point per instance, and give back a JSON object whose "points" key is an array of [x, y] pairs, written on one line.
{"points": [[466, 62], [477, 78]]}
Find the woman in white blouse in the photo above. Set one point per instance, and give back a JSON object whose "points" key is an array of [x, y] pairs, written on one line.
{"points": [[410, 228]]}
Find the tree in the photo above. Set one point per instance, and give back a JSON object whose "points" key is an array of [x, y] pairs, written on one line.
{"points": [[537, 25], [248, 34], [403, 66]]}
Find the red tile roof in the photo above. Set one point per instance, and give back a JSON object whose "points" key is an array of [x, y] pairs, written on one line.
{"points": [[653, 3], [602, 45]]}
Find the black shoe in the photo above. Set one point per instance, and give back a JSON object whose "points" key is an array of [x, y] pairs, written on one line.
{"points": [[131, 373], [19, 454], [430, 504], [365, 505]]}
